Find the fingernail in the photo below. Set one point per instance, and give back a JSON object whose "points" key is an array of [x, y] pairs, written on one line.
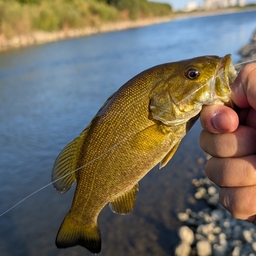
{"points": [[215, 121], [221, 122]]}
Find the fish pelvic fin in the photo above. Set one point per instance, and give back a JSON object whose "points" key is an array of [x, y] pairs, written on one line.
{"points": [[72, 233], [124, 203], [64, 171]]}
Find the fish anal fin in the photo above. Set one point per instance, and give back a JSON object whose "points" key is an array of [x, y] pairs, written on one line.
{"points": [[125, 202], [170, 154], [72, 233], [64, 169]]}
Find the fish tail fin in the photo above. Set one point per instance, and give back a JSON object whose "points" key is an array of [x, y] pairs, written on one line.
{"points": [[72, 233]]}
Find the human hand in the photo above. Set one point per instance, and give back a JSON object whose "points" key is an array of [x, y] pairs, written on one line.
{"points": [[230, 137]]}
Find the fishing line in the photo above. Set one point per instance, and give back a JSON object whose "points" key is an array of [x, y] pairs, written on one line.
{"points": [[79, 168], [245, 62], [95, 159]]}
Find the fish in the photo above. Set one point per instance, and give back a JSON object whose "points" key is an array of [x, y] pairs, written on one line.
{"points": [[139, 126]]}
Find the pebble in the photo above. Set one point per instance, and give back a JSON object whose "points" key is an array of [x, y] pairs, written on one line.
{"points": [[200, 193], [212, 191], [211, 238], [203, 248], [236, 251], [247, 236], [220, 250], [205, 229], [183, 216], [213, 200], [217, 214], [186, 235], [200, 160], [183, 249]]}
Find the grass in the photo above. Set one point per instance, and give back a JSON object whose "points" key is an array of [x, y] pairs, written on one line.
{"points": [[19, 17]]}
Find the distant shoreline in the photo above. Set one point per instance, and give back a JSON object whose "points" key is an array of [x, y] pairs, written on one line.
{"points": [[40, 37]]}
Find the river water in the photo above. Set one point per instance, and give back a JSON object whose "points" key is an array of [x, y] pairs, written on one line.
{"points": [[48, 95]]}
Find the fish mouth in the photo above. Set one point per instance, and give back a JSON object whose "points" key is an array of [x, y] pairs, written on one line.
{"points": [[221, 83]]}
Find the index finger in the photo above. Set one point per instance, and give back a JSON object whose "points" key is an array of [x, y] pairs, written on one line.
{"points": [[244, 87]]}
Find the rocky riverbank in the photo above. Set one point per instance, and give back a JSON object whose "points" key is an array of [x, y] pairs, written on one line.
{"points": [[40, 37], [248, 52]]}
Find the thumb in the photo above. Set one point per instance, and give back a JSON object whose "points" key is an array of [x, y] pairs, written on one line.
{"points": [[218, 119]]}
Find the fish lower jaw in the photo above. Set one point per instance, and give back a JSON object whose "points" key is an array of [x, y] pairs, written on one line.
{"points": [[183, 117], [225, 100], [176, 122], [213, 98], [219, 100]]}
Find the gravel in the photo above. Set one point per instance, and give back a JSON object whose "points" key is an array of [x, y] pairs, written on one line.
{"points": [[213, 231]]}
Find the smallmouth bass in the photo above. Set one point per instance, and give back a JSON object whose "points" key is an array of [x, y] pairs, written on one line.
{"points": [[139, 126]]}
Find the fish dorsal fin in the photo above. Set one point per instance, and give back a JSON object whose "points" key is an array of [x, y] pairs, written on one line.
{"points": [[125, 203], [105, 105], [63, 173], [170, 154]]}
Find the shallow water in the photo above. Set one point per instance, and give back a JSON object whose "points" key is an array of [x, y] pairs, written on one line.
{"points": [[49, 93]]}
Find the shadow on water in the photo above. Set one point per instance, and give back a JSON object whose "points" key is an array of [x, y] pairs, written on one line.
{"points": [[12, 241], [163, 233]]}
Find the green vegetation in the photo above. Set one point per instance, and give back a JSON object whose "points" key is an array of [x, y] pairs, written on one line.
{"points": [[24, 16], [138, 8]]}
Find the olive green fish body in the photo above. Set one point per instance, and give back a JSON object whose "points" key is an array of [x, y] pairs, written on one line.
{"points": [[138, 127]]}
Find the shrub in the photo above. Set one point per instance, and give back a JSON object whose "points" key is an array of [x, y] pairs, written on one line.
{"points": [[14, 19], [23, 16]]}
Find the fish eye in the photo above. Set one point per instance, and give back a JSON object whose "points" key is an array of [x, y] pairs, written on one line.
{"points": [[192, 73]]}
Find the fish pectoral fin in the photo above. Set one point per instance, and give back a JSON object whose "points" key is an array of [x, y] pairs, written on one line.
{"points": [[170, 154], [72, 233], [125, 203], [64, 169]]}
